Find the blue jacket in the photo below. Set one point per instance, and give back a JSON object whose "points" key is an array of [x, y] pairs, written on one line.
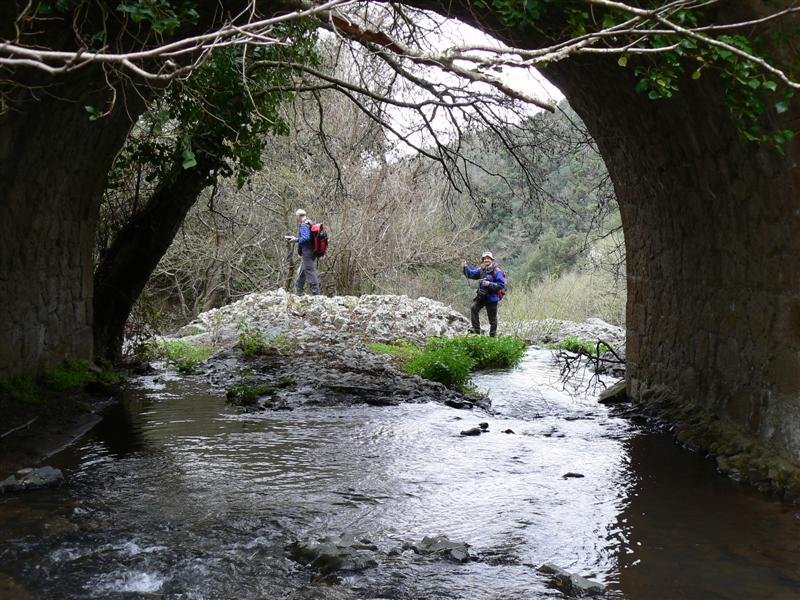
{"points": [[494, 277], [304, 241]]}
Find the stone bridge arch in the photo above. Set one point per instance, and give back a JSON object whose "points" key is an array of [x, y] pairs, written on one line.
{"points": [[712, 230]]}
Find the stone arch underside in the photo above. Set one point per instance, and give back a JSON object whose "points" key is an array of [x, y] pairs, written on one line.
{"points": [[712, 235], [711, 228]]}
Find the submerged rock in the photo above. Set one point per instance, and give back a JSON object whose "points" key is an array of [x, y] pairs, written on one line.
{"points": [[572, 475], [441, 545], [571, 584], [32, 479], [328, 555], [472, 431]]}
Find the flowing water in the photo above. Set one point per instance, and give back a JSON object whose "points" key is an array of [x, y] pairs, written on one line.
{"points": [[179, 495]]}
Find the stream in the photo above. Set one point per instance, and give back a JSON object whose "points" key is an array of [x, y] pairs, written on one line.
{"points": [[177, 494]]}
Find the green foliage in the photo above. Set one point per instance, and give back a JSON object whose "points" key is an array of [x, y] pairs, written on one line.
{"points": [[450, 360], [450, 366], [403, 350], [217, 120], [749, 89], [252, 341], [486, 352], [179, 354], [579, 346], [71, 374], [247, 394], [163, 16], [552, 255], [21, 390]]}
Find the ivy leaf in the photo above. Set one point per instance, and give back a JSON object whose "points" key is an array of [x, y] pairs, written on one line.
{"points": [[94, 112], [623, 60], [189, 159], [781, 107], [770, 85], [696, 74]]}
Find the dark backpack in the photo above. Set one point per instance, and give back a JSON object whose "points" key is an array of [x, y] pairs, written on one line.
{"points": [[319, 237], [500, 293]]}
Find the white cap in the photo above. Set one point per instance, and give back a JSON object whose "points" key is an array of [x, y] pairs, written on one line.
{"points": [[487, 253], [299, 212]]}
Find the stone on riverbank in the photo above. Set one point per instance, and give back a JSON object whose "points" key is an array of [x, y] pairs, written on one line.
{"points": [[32, 479], [616, 394]]}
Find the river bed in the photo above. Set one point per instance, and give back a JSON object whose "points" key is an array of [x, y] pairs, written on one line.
{"points": [[180, 495]]}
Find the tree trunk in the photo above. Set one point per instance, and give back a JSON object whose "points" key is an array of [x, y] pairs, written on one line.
{"points": [[136, 251]]}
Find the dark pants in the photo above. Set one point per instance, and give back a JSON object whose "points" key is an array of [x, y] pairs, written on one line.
{"points": [[308, 272], [491, 312]]}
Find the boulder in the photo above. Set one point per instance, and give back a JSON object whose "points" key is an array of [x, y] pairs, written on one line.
{"points": [[32, 479], [616, 394], [472, 431]]}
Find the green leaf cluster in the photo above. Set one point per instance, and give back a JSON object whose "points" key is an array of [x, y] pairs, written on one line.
{"points": [[179, 354], [451, 360], [163, 16], [579, 346], [486, 352], [218, 119]]}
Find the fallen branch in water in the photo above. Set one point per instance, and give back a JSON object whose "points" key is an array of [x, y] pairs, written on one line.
{"points": [[10, 431]]}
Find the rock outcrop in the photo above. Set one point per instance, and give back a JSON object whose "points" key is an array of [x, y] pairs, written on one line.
{"points": [[380, 318]]}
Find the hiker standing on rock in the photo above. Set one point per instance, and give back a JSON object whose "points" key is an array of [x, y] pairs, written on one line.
{"points": [[491, 289], [305, 248]]}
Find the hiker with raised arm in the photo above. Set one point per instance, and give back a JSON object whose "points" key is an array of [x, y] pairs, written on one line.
{"points": [[305, 248], [491, 289]]}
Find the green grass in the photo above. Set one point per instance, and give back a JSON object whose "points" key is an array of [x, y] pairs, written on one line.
{"points": [[451, 360], [402, 350], [247, 394], [254, 343], [487, 352], [445, 365], [578, 346], [21, 390], [179, 354]]}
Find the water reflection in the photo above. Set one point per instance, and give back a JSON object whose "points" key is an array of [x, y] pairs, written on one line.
{"points": [[179, 494], [687, 530]]}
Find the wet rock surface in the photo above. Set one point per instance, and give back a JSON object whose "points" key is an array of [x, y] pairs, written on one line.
{"points": [[319, 345], [335, 370], [357, 552], [29, 479], [571, 584]]}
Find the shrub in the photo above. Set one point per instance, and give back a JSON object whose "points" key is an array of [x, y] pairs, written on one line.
{"points": [[19, 389], [247, 394], [450, 366], [180, 354], [487, 352], [578, 346], [253, 341]]}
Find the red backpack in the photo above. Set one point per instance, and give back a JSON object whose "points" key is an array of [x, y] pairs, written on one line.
{"points": [[319, 237]]}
